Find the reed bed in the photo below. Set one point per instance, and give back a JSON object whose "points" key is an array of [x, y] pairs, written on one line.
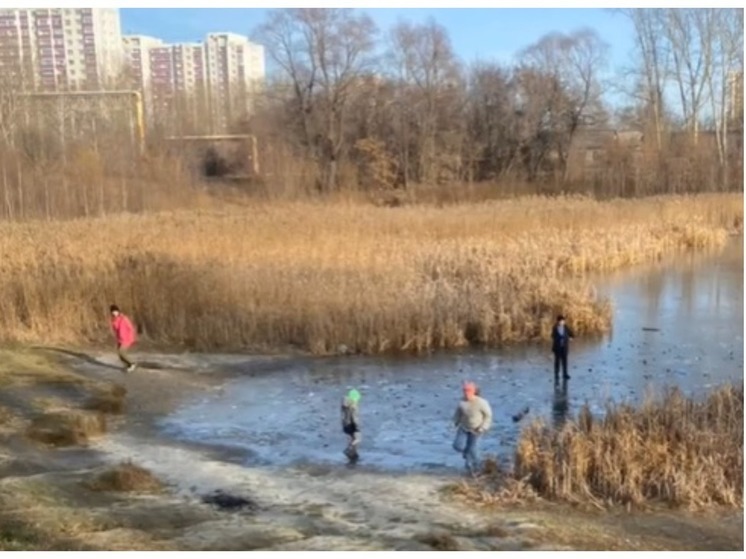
{"points": [[674, 450], [321, 277]]}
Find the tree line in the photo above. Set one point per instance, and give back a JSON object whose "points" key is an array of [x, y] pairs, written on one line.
{"points": [[401, 108], [396, 111]]}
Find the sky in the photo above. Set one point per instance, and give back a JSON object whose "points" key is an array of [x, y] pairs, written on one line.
{"points": [[476, 33]]}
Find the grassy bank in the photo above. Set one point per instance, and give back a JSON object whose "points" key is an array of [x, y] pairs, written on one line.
{"points": [[316, 276], [673, 450]]}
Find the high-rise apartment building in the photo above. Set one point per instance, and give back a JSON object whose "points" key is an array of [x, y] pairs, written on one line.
{"points": [[217, 79], [137, 60], [67, 49], [61, 48], [235, 70]]}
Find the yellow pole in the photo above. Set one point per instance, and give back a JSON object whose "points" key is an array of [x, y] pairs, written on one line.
{"points": [[254, 156], [140, 121]]}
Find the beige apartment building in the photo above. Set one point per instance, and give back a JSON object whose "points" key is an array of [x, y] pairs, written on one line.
{"points": [[213, 82], [235, 71], [162, 72], [60, 49]]}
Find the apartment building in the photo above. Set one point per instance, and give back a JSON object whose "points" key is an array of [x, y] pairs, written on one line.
{"points": [[61, 49], [235, 70], [217, 78], [68, 49], [137, 60]]}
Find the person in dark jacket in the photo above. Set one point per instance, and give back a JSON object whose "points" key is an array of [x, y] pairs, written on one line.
{"points": [[351, 423], [561, 336]]}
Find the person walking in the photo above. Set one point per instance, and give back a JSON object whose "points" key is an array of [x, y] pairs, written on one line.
{"points": [[351, 423], [126, 336], [472, 419], [561, 336]]}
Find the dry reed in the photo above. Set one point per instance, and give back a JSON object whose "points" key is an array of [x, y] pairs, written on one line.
{"points": [[318, 276], [126, 477], [67, 428], [675, 450], [108, 399]]}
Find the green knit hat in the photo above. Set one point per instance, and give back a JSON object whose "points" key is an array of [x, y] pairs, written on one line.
{"points": [[353, 395]]}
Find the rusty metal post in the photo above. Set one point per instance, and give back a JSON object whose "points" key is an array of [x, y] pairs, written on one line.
{"points": [[140, 121], [254, 157]]}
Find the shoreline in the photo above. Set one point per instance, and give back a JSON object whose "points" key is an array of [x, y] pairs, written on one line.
{"points": [[296, 509]]}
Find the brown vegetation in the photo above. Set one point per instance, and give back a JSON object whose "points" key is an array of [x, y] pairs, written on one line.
{"points": [[315, 276], [26, 367], [677, 451], [66, 428], [126, 477], [108, 399], [6, 416], [413, 124], [440, 541]]}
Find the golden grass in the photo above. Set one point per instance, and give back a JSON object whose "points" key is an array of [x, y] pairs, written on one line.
{"points": [[6, 416], [674, 450], [318, 276], [440, 541], [15, 537], [66, 428], [126, 477], [109, 398], [24, 367]]}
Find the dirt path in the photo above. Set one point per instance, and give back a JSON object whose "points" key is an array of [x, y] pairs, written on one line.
{"points": [[46, 500]]}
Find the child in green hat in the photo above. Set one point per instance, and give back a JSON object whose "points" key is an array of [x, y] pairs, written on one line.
{"points": [[351, 423]]}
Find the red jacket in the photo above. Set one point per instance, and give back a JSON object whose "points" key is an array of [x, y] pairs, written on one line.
{"points": [[123, 330]]}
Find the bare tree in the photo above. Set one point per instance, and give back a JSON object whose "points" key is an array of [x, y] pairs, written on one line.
{"points": [[322, 52], [689, 34], [430, 83], [493, 121], [9, 111], [654, 63], [572, 65], [722, 33]]}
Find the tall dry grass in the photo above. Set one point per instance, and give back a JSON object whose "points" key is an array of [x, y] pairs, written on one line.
{"points": [[89, 184], [316, 276], [675, 450]]}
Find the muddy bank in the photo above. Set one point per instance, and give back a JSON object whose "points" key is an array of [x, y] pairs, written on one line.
{"points": [[47, 500], [53, 498]]}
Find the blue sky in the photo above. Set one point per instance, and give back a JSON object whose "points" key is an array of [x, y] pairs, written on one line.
{"points": [[478, 33]]}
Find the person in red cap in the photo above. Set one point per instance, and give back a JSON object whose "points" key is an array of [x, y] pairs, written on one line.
{"points": [[125, 334], [473, 418]]}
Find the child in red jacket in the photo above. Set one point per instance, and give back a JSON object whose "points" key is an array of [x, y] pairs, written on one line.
{"points": [[125, 334]]}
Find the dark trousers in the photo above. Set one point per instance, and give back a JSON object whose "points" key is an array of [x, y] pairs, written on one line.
{"points": [[124, 357], [560, 358], [354, 440]]}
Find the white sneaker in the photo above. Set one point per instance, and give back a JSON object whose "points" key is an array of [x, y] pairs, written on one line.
{"points": [[131, 368]]}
